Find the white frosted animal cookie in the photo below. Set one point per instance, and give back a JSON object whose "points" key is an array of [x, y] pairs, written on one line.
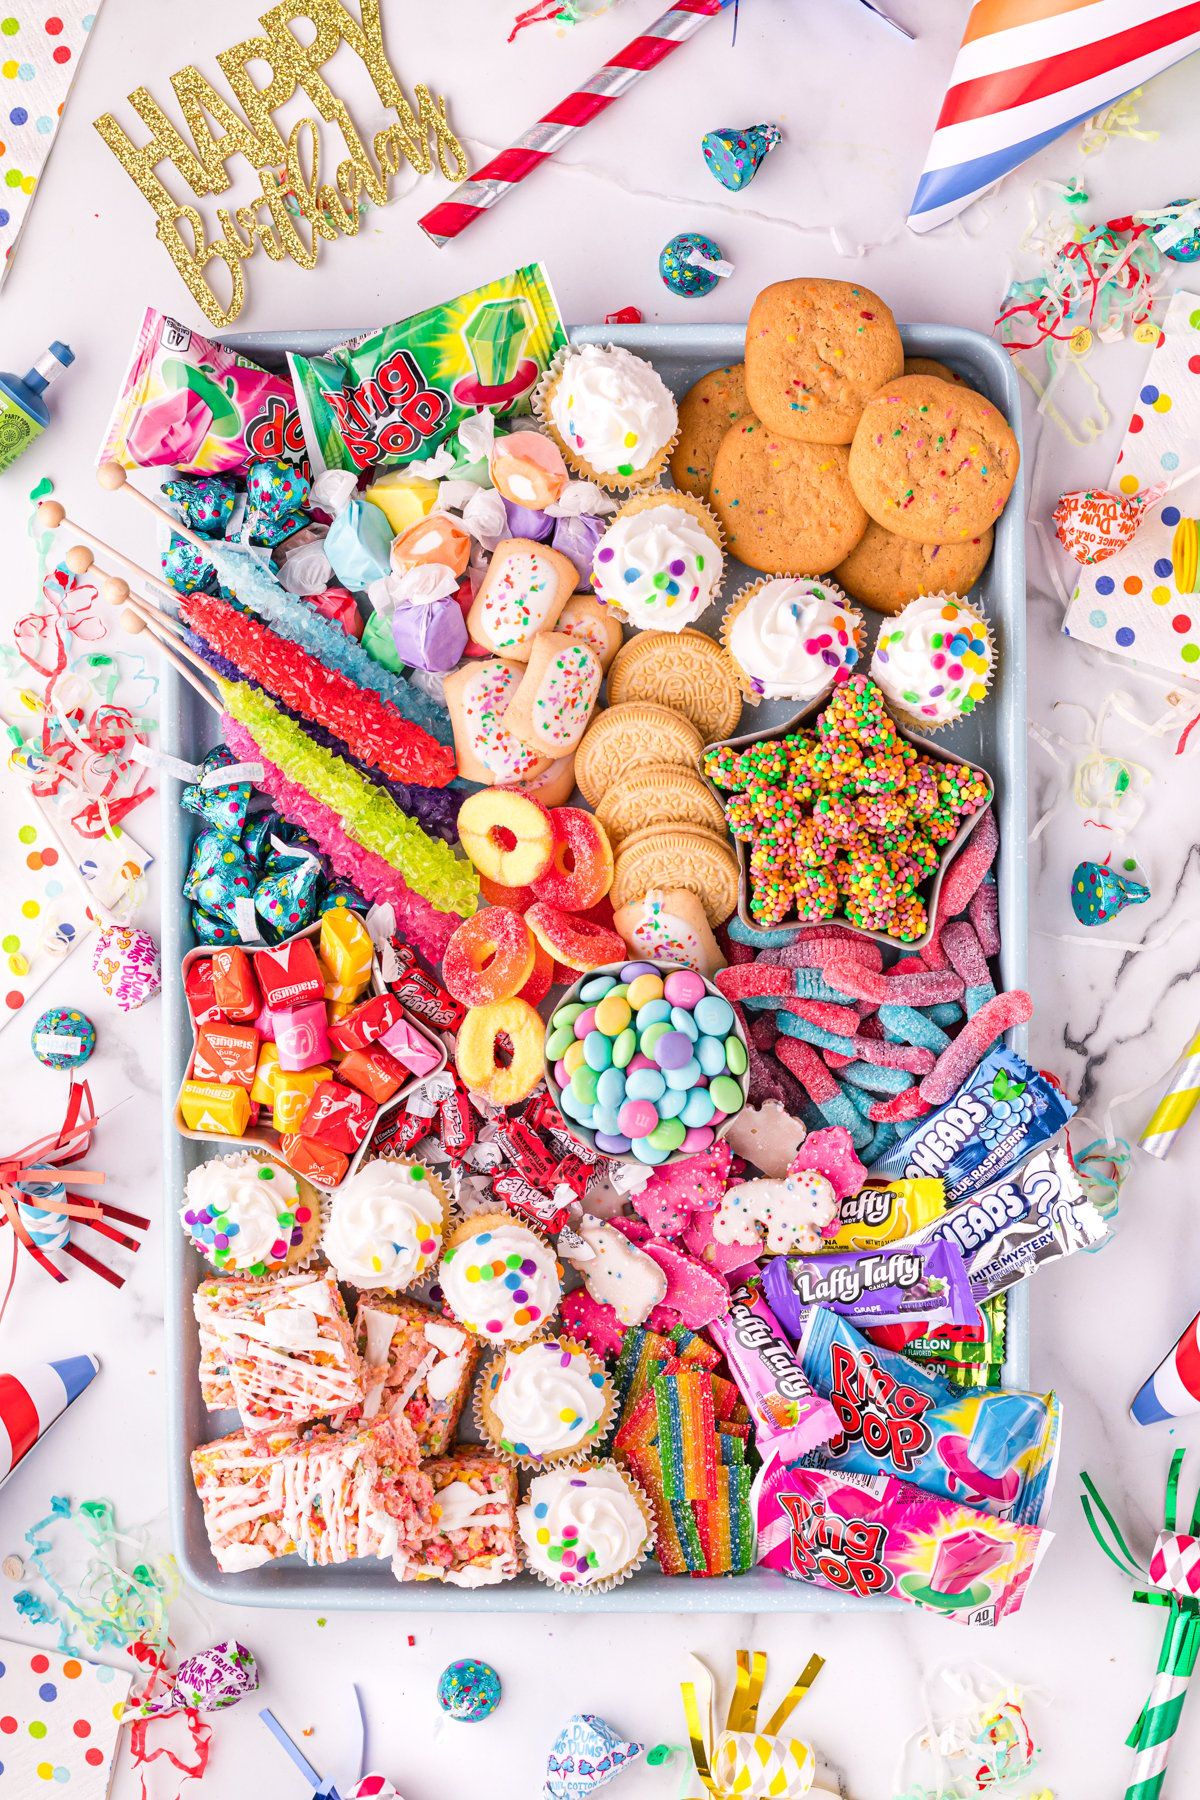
{"points": [[766, 1136], [615, 1272], [786, 1216]]}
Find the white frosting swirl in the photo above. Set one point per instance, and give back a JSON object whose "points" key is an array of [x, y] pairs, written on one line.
{"points": [[934, 659], [502, 1283], [548, 1399], [385, 1226], [792, 637], [612, 409], [581, 1526], [254, 1197], [658, 565]]}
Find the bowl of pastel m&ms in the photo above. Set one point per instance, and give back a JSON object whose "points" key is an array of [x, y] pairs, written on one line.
{"points": [[647, 1061]]}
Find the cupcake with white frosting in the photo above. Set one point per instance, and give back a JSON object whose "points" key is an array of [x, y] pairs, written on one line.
{"points": [[934, 661], [545, 1402], [587, 1527], [386, 1225], [791, 638], [660, 563], [500, 1279], [248, 1215], [610, 413]]}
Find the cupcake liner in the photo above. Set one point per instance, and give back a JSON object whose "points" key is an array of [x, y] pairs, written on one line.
{"points": [[645, 501], [746, 593], [494, 1219], [553, 1459], [612, 484], [916, 721], [631, 1568], [437, 1186]]}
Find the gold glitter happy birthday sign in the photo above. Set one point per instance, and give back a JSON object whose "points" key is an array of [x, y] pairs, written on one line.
{"points": [[292, 194]]}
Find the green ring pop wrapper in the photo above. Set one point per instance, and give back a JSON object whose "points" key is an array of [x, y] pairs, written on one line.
{"points": [[994, 1450], [393, 395]]}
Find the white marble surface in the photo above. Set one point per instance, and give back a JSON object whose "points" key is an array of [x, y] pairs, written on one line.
{"points": [[856, 103]]}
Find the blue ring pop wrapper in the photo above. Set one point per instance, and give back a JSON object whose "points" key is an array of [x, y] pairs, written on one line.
{"points": [[881, 1287], [789, 1418], [993, 1450], [1002, 1113]]}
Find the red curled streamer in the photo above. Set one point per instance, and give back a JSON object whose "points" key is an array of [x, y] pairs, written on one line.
{"points": [[375, 732]]}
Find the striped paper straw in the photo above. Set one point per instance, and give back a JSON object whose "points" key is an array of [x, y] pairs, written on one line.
{"points": [[1176, 1105], [560, 124], [1155, 1730]]}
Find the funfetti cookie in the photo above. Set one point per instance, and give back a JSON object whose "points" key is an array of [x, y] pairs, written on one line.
{"points": [[929, 365], [815, 352], [526, 587], [716, 403], [557, 695], [668, 925], [787, 508], [477, 698], [885, 571], [933, 462]]}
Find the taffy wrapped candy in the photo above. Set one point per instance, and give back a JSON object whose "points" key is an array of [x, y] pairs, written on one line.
{"points": [[126, 964], [1099, 893], [209, 1681], [338, 604], [204, 504], [198, 405], [749, 1761], [585, 1756], [875, 1535], [359, 542], [1094, 526], [428, 627]]}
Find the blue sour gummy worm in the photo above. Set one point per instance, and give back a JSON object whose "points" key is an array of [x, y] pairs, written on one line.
{"points": [[24, 415]]}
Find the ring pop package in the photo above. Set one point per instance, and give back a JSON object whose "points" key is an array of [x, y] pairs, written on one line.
{"points": [[874, 1534], [393, 395], [198, 407], [1000, 1114], [789, 1418], [996, 1451]]}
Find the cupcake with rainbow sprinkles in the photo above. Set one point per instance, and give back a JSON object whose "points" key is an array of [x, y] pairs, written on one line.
{"points": [[934, 661]]}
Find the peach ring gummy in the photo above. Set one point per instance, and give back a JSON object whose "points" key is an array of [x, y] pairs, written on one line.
{"points": [[490, 957], [581, 861], [578, 943], [477, 1055], [508, 836]]}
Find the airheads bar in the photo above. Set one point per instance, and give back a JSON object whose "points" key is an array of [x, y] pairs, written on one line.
{"points": [[996, 1118]]}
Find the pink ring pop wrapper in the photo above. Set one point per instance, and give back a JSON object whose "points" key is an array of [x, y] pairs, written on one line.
{"points": [[789, 1418], [880, 1287], [996, 1119], [976, 1037], [874, 1534], [994, 1450]]}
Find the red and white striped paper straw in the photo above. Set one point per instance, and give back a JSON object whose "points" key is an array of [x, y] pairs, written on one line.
{"points": [[560, 124]]}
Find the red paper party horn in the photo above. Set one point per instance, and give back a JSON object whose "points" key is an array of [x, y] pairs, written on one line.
{"points": [[560, 124]]}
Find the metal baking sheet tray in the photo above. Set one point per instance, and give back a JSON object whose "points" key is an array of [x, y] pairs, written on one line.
{"points": [[995, 737]]}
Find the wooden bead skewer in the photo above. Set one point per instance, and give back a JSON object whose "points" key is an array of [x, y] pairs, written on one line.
{"points": [[113, 477], [117, 593], [80, 560], [52, 515]]}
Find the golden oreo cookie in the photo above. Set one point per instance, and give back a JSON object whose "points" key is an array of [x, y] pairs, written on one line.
{"points": [[684, 670], [658, 794], [787, 507], [625, 736], [885, 572], [706, 413], [933, 462], [815, 353], [678, 856]]}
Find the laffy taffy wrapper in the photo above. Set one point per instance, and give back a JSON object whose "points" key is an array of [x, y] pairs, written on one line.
{"points": [[198, 406], [394, 395], [789, 1418], [870, 1535], [994, 1450], [891, 1286]]}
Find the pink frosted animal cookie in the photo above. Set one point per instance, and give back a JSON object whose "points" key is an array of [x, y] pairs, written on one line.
{"points": [[592, 1322], [784, 1216], [614, 1270], [832, 1153], [677, 1190], [695, 1295]]}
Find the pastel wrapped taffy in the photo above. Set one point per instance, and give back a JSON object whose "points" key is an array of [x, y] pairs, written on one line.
{"points": [[994, 1450], [789, 1418], [888, 1286], [870, 1535], [997, 1118]]}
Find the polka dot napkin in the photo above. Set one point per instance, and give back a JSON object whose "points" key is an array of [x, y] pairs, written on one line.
{"points": [[59, 1721], [41, 42], [1132, 605]]}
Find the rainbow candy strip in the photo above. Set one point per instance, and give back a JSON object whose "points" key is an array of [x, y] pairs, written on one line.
{"points": [[1026, 72]]}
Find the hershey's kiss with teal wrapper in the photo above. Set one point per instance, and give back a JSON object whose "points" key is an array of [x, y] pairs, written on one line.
{"points": [[24, 415]]}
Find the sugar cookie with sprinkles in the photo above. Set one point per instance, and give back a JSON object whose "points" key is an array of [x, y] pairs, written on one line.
{"points": [[707, 411], [499, 1279], [787, 508], [933, 462], [885, 571], [815, 352]]}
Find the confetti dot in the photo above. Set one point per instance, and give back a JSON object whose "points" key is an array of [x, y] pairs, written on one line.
{"points": [[28, 834], [26, 72], [1129, 484], [1169, 460], [1124, 637], [13, 178], [10, 943], [1169, 515], [45, 125], [81, 1728], [1181, 623], [17, 116], [46, 1771], [1163, 403], [8, 1724], [1160, 595], [1097, 619], [1190, 652], [54, 27], [14, 1002], [1105, 584], [1132, 584], [34, 860], [39, 1664], [1137, 423], [53, 889], [10, 27], [9, 71], [47, 1691], [62, 54], [30, 909], [1194, 364], [61, 1774], [93, 1756], [50, 856], [1163, 567], [36, 1728]]}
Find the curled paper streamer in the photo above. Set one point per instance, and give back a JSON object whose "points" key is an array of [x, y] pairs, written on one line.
{"points": [[743, 1761]]}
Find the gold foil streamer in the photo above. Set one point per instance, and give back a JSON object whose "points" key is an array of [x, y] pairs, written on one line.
{"points": [[742, 1762], [291, 187]]}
